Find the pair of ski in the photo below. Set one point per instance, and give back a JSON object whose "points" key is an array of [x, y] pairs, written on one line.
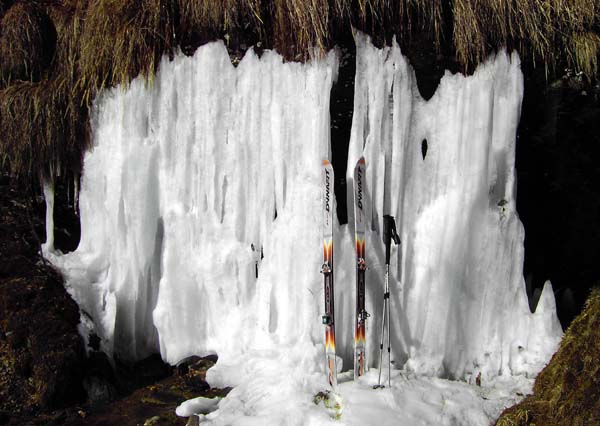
{"points": [[389, 235], [327, 270]]}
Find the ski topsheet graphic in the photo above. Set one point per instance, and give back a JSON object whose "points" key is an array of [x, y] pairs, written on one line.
{"points": [[327, 270], [360, 363]]}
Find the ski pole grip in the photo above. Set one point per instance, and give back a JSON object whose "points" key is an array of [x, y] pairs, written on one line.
{"points": [[388, 222], [389, 234], [395, 235]]}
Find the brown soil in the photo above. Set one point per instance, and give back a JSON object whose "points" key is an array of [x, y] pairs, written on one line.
{"points": [[156, 402]]}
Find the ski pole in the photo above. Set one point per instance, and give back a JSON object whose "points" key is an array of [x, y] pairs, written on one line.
{"points": [[389, 326], [389, 234], [382, 334]]}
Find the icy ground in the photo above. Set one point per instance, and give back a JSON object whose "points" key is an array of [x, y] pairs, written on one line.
{"points": [[278, 397], [201, 222]]}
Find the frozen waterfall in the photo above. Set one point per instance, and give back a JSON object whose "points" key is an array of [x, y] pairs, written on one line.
{"points": [[191, 177], [445, 169]]}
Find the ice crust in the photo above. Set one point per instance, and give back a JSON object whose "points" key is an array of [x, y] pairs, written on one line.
{"points": [[192, 176]]}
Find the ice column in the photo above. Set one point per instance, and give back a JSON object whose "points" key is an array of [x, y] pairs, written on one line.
{"points": [[186, 176], [445, 169]]}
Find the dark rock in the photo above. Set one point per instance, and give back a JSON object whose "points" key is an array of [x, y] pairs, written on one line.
{"points": [[99, 390], [42, 352], [141, 373], [94, 342], [203, 364], [183, 365], [196, 383]]}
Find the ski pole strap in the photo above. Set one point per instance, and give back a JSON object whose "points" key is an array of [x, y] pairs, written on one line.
{"points": [[389, 234]]}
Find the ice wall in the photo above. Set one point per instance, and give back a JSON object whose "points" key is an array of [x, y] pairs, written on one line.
{"points": [[190, 174], [187, 180], [445, 169]]}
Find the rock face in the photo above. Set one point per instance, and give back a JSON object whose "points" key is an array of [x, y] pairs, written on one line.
{"points": [[41, 353], [567, 391]]}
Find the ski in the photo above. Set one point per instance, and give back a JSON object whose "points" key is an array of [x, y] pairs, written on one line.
{"points": [[327, 271], [360, 340]]}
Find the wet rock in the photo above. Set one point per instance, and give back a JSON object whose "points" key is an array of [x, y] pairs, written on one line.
{"points": [[183, 365]]}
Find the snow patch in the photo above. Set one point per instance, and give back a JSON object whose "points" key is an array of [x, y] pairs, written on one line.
{"points": [[198, 405]]}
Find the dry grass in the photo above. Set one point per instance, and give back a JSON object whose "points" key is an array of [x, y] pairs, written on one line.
{"points": [[567, 391], [122, 39], [298, 25], [220, 16], [27, 43], [44, 130], [101, 43], [583, 50], [544, 30]]}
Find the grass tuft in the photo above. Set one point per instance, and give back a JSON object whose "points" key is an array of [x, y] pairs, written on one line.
{"points": [[567, 390], [27, 43], [123, 39], [45, 129]]}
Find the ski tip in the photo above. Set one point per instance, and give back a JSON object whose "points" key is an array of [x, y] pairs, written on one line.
{"points": [[326, 162]]}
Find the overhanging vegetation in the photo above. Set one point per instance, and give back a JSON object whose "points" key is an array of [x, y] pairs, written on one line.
{"points": [[567, 391], [56, 54]]}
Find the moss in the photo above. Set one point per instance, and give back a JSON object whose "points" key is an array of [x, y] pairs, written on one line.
{"points": [[567, 391]]}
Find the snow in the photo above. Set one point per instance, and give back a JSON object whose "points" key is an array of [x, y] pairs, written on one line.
{"points": [[198, 405], [191, 176], [277, 398], [48, 189]]}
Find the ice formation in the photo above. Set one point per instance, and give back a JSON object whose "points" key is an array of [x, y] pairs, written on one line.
{"points": [[194, 178], [187, 182], [458, 294]]}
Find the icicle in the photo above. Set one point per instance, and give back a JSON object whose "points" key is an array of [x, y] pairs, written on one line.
{"points": [[48, 246], [76, 193], [68, 192]]}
